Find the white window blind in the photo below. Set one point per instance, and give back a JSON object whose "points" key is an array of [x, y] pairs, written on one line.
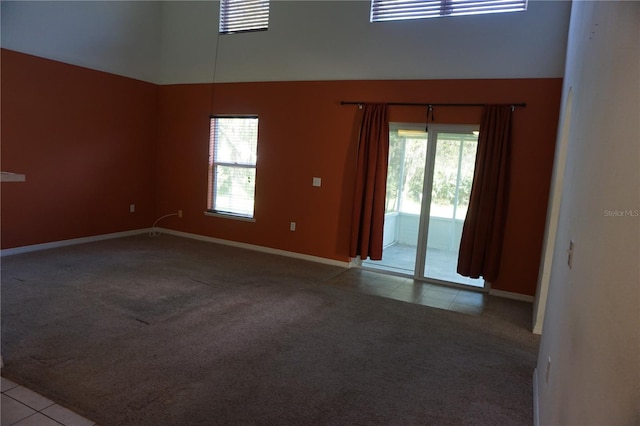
{"points": [[233, 152], [243, 15], [391, 10]]}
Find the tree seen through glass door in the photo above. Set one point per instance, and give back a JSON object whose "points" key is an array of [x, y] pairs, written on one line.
{"points": [[454, 160]]}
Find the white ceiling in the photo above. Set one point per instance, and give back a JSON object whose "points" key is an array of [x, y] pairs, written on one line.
{"points": [[169, 42]]}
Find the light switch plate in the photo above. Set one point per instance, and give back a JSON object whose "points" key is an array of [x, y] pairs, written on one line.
{"points": [[317, 181]]}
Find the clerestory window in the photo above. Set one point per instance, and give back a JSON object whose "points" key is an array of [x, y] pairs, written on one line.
{"points": [[392, 10], [243, 15]]}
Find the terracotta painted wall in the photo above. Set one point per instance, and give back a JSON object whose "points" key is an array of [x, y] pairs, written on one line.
{"points": [[85, 141], [91, 143], [305, 132]]}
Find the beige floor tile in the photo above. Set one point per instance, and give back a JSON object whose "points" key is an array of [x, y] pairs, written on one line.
{"points": [[37, 419], [465, 309], [444, 289], [435, 303], [352, 278], [390, 280], [65, 416], [29, 398], [7, 384], [436, 293], [376, 290], [409, 292], [13, 411], [469, 298]]}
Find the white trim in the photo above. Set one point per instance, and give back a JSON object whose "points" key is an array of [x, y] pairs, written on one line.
{"points": [[83, 240], [536, 418], [256, 248], [553, 213], [74, 241], [229, 216], [537, 328], [510, 295]]}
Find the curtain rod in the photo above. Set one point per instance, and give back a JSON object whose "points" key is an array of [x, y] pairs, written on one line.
{"points": [[522, 104]]}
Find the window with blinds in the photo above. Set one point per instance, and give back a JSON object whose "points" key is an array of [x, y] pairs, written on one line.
{"points": [[233, 153], [243, 15], [392, 10]]}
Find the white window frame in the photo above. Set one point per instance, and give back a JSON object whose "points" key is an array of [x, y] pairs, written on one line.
{"points": [[214, 163], [237, 16], [393, 10]]}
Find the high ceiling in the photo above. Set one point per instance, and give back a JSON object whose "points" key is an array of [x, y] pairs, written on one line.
{"points": [[170, 42]]}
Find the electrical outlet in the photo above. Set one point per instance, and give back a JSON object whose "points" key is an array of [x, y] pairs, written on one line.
{"points": [[179, 213], [132, 208], [292, 226]]}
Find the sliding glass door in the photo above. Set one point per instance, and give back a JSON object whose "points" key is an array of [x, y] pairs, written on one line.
{"points": [[452, 158], [428, 186]]}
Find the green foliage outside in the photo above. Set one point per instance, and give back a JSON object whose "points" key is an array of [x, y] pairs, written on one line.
{"points": [[405, 177], [235, 145]]}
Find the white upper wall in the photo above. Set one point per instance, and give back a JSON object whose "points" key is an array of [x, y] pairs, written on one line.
{"points": [[175, 41], [119, 37]]}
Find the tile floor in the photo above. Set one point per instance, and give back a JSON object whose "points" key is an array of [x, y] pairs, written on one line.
{"points": [[410, 290], [441, 264], [23, 407]]}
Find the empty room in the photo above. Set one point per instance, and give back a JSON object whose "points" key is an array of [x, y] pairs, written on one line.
{"points": [[315, 212]]}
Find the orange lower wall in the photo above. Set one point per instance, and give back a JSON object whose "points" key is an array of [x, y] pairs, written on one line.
{"points": [[85, 141], [305, 132], [91, 143]]}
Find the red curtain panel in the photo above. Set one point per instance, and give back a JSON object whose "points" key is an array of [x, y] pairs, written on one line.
{"points": [[483, 229], [367, 224]]}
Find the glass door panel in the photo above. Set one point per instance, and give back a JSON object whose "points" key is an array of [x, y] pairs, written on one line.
{"points": [[450, 183], [405, 178], [429, 180]]}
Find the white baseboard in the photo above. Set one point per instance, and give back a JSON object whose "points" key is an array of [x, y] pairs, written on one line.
{"points": [[64, 243], [254, 247], [510, 295], [536, 418], [332, 262], [74, 241]]}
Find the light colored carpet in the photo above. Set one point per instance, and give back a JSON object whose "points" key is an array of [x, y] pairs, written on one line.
{"points": [[171, 331]]}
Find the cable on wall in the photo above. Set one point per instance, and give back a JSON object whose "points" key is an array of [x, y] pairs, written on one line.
{"points": [[154, 232], [213, 77]]}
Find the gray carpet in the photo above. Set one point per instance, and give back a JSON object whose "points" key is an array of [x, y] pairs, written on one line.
{"points": [[171, 331]]}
